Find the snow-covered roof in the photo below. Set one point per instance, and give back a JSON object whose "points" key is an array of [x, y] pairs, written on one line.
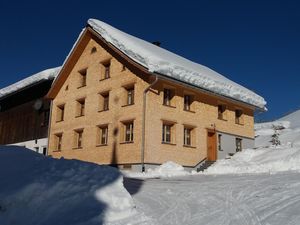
{"points": [[159, 60], [48, 74]]}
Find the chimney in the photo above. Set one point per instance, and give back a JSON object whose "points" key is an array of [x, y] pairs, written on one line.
{"points": [[157, 43]]}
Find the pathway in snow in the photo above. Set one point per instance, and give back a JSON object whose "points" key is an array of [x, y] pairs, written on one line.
{"points": [[227, 200]]}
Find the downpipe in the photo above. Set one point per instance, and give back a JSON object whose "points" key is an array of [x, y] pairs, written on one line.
{"points": [[144, 122]]}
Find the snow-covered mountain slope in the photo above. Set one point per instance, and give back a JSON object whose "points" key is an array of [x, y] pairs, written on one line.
{"points": [[33, 79], [290, 135], [38, 190], [266, 158], [157, 59]]}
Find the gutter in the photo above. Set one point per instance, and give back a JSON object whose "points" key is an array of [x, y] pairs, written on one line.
{"points": [[144, 122]]}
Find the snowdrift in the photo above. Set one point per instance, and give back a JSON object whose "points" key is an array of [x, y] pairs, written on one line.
{"points": [[38, 190], [167, 169]]}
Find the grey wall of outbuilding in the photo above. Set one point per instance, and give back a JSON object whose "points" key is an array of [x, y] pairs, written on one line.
{"points": [[228, 144]]}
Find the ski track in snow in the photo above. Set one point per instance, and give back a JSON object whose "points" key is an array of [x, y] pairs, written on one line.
{"points": [[215, 200]]}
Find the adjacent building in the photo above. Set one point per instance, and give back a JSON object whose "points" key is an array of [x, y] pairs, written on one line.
{"points": [[24, 112], [120, 100]]}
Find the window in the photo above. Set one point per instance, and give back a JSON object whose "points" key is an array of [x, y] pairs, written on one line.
{"points": [[60, 113], [130, 96], [220, 142], [187, 102], [104, 101], [167, 131], [221, 112], [128, 131], [93, 50], [103, 135], [168, 95], [82, 78], [238, 144], [58, 142], [238, 116], [187, 136], [78, 138], [80, 110], [105, 70]]}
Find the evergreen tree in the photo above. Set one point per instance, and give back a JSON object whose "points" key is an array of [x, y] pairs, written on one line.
{"points": [[275, 137]]}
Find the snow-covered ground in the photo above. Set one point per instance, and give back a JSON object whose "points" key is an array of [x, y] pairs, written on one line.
{"points": [[220, 200], [36, 190]]}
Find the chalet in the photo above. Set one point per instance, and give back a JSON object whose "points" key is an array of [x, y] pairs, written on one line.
{"points": [[123, 101], [24, 112]]}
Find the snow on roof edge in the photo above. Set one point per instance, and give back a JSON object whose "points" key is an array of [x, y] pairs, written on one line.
{"points": [[157, 59], [47, 74]]}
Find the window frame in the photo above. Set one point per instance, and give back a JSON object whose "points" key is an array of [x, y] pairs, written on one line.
{"points": [[187, 136], [58, 141], [105, 70], [168, 132], [239, 116], [78, 138], [221, 111], [168, 95], [80, 107], [130, 96], [82, 78], [61, 112], [101, 135]]}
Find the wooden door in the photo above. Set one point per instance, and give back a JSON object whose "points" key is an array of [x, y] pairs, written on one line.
{"points": [[211, 146]]}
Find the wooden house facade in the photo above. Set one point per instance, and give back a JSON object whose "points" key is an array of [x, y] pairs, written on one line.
{"points": [[109, 109]]}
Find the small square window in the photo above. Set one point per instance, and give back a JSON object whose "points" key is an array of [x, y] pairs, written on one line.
{"points": [[104, 101], [128, 131], [103, 135], [80, 108], [168, 132], [60, 113], [239, 116], [105, 71], [130, 96], [187, 102], [58, 141], [221, 112], [187, 136], [168, 96], [78, 138], [82, 78]]}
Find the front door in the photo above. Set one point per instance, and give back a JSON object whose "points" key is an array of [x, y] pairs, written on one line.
{"points": [[211, 146]]}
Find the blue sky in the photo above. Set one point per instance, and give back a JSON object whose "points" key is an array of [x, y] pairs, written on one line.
{"points": [[255, 43]]}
